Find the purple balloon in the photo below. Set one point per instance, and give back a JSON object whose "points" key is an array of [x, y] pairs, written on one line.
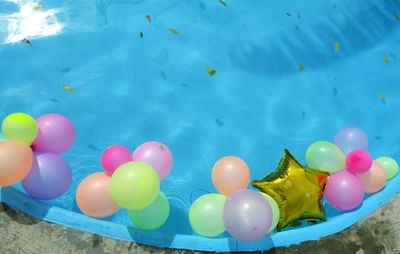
{"points": [[157, 155], [350, 139], [49, 177], [247, 215], [56, 134], [344, 190]]}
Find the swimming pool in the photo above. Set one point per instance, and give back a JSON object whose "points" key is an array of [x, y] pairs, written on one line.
{"points": [[279, 83]]}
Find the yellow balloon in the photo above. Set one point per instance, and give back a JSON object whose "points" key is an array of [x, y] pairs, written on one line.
{"points": [[20, 127]]}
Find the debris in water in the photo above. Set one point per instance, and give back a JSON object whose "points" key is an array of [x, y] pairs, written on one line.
{"points": [[210, 71], [27, 41], [301, 67], [386, 59], [289, 14], [337, 47], [38, 8], [174, 30], [141, 34], [223, 3], [297, 27], [148, 17], [68, 89], [397, 16]]}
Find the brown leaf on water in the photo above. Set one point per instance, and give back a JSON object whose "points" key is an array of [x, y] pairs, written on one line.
{"points": [[301, 67], [386, 59], [382, 96], [336, 46], [68, 89], [174, 30], [148, 17], [397, 16]]}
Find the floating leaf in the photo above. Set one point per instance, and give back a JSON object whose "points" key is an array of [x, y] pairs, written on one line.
{"points": [[148, 17], [210, 71], [68, 89], [382, 96], [336, 47], [223, 3], [301, 67], [386, 59], [174, 30], [289, 14], [38, 8]]}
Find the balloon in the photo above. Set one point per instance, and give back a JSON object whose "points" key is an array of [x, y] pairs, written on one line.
{"points": [[374, 179], [325, 156], [134, 185], [292, 184], [20, 127], [350, 139], [49, 177], [157, 155], [247, 215], [230, 174], [153, 216], [94, 198], [390, 165], [15, 162], [2, 137], [205, 215], [358, 161], [344, 190], [56, 134], [113, 157], [275, 211]]}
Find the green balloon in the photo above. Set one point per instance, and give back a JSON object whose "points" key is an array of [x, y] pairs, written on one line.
{"points": [[20, 127], [325, 156], [153, 216], [206, 215], [134, 185], [390, 165], [275, 211]]}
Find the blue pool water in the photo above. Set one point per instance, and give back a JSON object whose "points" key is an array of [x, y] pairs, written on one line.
{"points": [[130, 89]]}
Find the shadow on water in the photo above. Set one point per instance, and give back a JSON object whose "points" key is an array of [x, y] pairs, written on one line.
{"points": [[356, 31]]}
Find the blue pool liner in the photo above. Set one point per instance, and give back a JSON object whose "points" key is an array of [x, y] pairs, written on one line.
{"points": [[336, 223]]}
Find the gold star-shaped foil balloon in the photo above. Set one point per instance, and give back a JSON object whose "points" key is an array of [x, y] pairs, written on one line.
{"points": [[297, 190]]}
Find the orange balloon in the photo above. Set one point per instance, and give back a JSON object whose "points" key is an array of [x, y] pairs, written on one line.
{"points": [[15, 162], [230, 174], [94, 197], [374, 179]]}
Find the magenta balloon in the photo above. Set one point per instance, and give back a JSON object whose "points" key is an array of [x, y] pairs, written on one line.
{"points": [[49, 177], [359, 161], [350, 139], [247, 215], [113, 157], [344, 190], [157, 155], [56, 134]]}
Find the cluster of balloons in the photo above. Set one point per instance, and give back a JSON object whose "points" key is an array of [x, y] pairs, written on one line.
{"points": [[30, 152], [353, 171], [130, 181], [246, 214]]}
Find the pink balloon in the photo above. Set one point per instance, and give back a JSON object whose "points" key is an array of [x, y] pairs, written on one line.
{"points": [[344, 190], [56, 134], [359, 161], [157, 155], [113, 157], [374, 179]]}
